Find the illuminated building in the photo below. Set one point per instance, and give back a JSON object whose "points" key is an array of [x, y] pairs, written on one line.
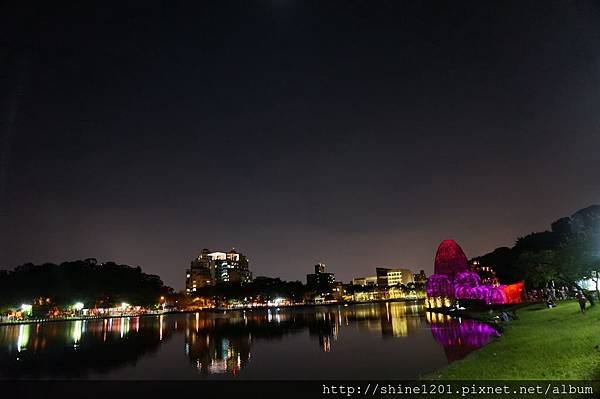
{"points": [[391, 277], [319, 279], [231, 267], [211, 268], [486, 273], [365, 281], [421, 277]]}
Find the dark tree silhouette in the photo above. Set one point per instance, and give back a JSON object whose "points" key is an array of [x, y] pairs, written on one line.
{"points": [[86, 281]]}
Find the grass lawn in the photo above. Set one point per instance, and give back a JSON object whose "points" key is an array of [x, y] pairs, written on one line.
{"points": [[543, 343]]}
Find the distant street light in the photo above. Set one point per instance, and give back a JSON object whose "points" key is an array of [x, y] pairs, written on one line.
{"points": [[25, 308]]}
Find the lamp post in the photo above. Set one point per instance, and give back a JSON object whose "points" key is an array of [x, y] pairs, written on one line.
{"points": [[78, 307], [27, 309]]}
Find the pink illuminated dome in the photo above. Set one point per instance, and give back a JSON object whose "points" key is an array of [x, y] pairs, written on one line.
{"points": [[450, 259]]}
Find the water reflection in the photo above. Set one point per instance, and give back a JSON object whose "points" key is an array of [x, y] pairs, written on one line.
{"points": [[222, 343], [73, 349], [459, 337]]}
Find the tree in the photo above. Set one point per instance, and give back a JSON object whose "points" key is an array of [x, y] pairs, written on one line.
{"points": [[82, 280], [537, 266], [578, 259], [569, 252]]}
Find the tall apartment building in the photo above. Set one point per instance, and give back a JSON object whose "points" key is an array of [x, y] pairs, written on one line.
{"points": [[211, 268], [320, 279]]}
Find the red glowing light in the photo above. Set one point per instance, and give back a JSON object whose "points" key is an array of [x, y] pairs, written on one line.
{"points": [[450, 259], [514, 293]]}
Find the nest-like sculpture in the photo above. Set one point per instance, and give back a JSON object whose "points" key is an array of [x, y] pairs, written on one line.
{"points": [[453, 280]]}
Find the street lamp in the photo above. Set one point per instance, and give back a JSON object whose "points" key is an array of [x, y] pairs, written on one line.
{"points": [[78, 307], [26, 309], [124, 306]]}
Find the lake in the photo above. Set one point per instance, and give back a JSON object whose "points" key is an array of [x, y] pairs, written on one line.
{"points": [[394, 340]]}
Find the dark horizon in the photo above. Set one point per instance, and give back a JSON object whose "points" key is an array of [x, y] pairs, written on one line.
{"points": [[358, 134]]}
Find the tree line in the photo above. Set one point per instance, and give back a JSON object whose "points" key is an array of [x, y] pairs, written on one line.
{"points": [[86, 281], [567, 253]]}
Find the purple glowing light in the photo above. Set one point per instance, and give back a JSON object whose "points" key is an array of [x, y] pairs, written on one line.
{"points": [[440, 285], [452, 280], [460, 337]]}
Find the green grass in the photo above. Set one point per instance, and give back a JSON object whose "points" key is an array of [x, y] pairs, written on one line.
{"points": [[543, 343]]}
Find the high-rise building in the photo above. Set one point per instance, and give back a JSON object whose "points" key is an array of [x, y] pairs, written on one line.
{"points": [[320, 279], [211, 268]]}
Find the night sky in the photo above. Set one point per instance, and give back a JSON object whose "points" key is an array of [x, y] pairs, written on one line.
{"points": [[357, 133]]}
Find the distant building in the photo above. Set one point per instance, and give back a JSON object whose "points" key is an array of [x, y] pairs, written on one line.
{"points": [[421, 277], [391, 277], [365, 281], [320, 279], [486, 273], [211, 268]]}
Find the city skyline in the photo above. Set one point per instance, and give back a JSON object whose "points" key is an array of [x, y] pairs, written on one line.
{"points": [[355, 135]]}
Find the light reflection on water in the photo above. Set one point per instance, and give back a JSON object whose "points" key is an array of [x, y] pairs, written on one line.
{"points": [[387, 340]]}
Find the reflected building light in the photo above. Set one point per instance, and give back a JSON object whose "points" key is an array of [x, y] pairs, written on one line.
{"points": [[160, 327], [124, 326], [217, 367], [23, 338], [76, 333], [387, 310], [104, 330], [326, 344], [225, 348]]}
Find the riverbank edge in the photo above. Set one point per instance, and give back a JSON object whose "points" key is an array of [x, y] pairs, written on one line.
{"points": [[507, 336], [206, 310], [488, 315]]}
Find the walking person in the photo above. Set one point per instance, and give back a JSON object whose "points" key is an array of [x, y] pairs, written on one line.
{"points": [[582, 300]]}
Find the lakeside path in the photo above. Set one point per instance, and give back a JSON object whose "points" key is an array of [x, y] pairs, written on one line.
{"points": [[543, 344]]}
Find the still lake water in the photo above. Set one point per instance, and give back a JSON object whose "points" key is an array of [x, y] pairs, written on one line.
{"points": [[397, 340]]}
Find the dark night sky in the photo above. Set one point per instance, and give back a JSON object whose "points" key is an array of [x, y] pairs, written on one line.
{"points": [[356, 133]]}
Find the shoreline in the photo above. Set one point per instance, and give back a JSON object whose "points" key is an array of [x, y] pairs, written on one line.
{"points": [[523, 351], [207, 310], [488, 315]]}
